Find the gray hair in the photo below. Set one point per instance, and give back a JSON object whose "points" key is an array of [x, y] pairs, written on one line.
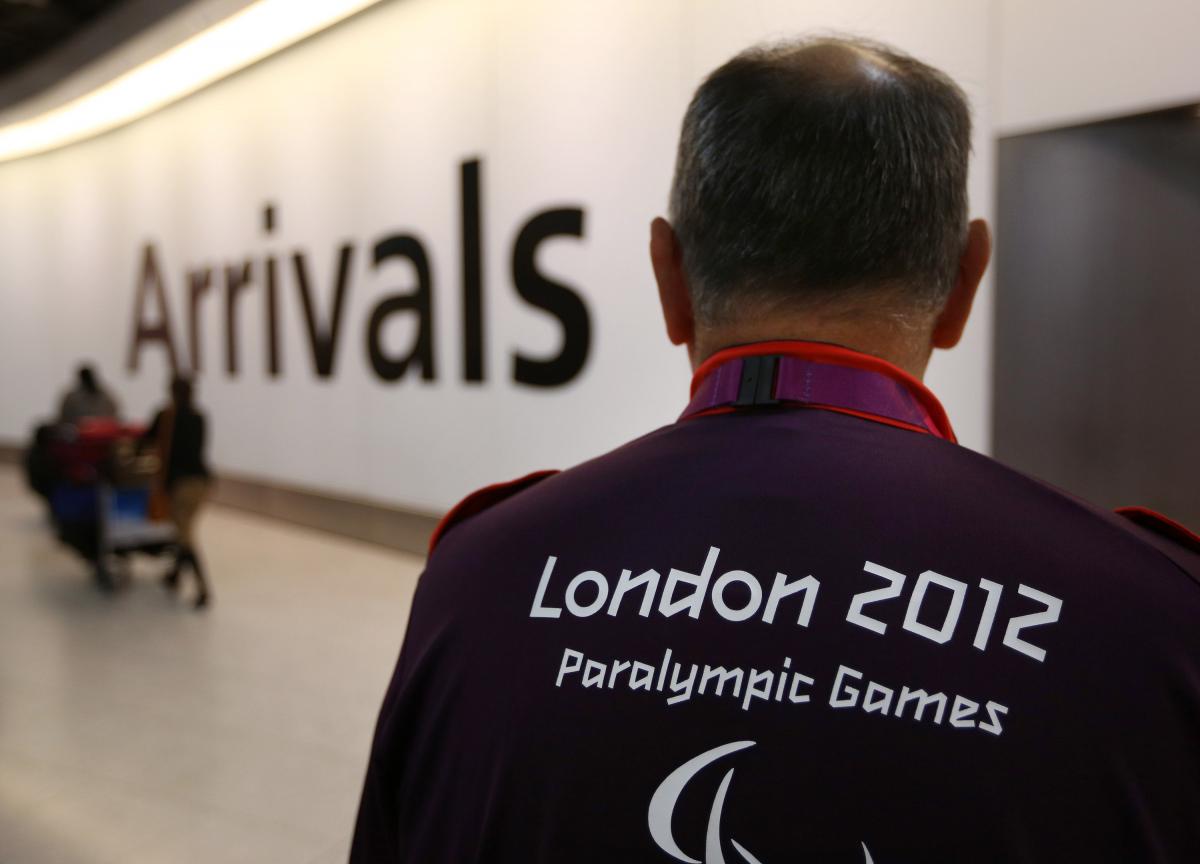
{"points": [[815, 169]]}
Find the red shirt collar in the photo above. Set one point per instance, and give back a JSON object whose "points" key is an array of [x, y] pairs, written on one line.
{"points": [[876, 389]]}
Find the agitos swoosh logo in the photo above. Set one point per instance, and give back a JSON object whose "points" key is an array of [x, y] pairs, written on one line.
{"points": [[666, 797]]}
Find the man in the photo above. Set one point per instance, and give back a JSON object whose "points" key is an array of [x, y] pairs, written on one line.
{"points": [[800, 624]]}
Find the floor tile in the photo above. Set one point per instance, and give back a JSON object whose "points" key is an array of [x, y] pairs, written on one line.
{"points": [[133, 729]]}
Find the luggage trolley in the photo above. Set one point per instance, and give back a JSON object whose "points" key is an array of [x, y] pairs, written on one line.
{"points": [[124, 527], [100, 497]]}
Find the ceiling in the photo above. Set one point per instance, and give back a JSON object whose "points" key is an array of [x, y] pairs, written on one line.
{"points": [[30, 28], [44, 41]]}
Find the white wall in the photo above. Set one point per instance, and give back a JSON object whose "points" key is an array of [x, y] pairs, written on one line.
{"points": [[1063, 62], [358, 133]]}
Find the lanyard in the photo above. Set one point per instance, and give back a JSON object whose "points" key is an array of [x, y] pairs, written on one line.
{"points": [[815, 375]]}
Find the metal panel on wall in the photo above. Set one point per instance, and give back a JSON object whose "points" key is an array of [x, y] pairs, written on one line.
{"points": [[1097, 375]]}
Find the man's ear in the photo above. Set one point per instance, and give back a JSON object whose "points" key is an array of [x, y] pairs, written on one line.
{"points": [[666, 256], [953, 318]]}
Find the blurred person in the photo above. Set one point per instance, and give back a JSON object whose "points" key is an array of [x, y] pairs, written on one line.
{"points": [[801, 623], [87, 399], [41, 469], [178, 431]]}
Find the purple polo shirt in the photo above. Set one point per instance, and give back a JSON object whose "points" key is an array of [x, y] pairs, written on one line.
{"points": [[800, 624]]}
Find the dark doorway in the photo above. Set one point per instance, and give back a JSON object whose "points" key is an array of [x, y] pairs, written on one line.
{"points": [[1097, 369]]}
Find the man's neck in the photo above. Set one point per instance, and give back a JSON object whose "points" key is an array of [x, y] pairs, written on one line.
{"points": [[903, 342]]}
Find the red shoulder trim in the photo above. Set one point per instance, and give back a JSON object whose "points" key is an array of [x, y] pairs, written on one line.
{"points": [[482, 499], [1160, 524]]}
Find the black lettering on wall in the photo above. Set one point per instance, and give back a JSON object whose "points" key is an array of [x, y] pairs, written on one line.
{"points": [[472, 273], [237, 278], [559, 300], [323, 318], [199, 281], [419, 301], [143, 330], [271, 298], [271, 313], [323, 341]]}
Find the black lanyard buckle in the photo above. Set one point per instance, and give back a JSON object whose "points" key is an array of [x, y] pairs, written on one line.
{"points": [[757, 386]]}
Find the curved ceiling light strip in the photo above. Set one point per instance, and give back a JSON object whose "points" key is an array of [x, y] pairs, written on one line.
{"points": [[249, 35]]}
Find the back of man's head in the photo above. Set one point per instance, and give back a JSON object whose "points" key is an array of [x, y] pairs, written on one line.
{"points": [[814, 170]]}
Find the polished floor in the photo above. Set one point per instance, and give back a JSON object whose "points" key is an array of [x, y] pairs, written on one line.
{"points": [[133, 729]]}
